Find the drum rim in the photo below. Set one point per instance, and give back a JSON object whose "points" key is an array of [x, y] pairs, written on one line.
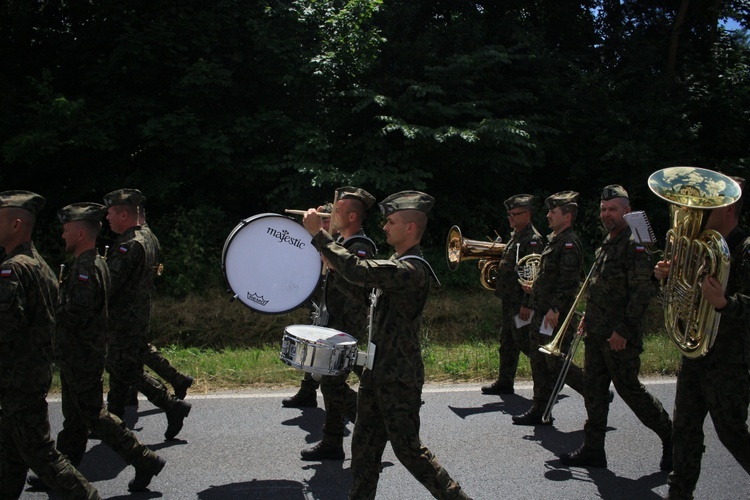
{"points": [[227, 242]]}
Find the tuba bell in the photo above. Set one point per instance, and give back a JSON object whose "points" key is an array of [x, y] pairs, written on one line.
{"points": [[690, 320], [459, 248]]}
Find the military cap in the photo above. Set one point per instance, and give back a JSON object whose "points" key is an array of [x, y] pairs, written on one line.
{"points": [[93, 212], [519, 201], [560, 199], [355, 192], [614, 191], [407, 200], [327, 208], [22, 199], [132, 197]]}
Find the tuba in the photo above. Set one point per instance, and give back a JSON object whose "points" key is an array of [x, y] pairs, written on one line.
{"points": [[459, 248], [690, 321]]}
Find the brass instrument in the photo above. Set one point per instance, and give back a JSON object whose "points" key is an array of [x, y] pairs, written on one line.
{"points": [[459, 248], [554, 347], [528, 268], [690, 320]]}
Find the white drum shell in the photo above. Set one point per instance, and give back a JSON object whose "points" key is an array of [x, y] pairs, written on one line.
{"points": [[317, 349], [270, 263]]}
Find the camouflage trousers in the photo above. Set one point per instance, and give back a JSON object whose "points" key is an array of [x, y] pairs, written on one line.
{"points": [[390, 411], [340, 402], [83, 411], [603, 365], [154, 359], [125, 367], [513, 342], [545, 368], [707, 387], [25, 443]]}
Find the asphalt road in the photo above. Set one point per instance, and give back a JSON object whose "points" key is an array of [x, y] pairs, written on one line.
{"points": [[246, 446]]}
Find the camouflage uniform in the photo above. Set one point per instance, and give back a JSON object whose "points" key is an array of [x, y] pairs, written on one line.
{"points": [[555, 287], [389, 397], [80, 343], [132, 263], [618, 294], [514, 341], [717, 384], [153, 358], [28, 292], [347, 309]]}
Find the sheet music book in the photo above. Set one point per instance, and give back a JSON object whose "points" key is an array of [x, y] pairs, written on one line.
{"points": [[641, 227]]}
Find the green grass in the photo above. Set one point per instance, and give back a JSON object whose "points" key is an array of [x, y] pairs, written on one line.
{"points": [[227, 346]]}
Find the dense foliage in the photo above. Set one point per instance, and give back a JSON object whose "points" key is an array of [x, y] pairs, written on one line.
{"points": [[222, 109]]}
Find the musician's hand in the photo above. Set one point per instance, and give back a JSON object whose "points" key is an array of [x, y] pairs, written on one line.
{"points": [[524, 313], [552, 318], [327, 263], [617, 342], [312, 221], [713, 292], [526, 288], [661, 270]]}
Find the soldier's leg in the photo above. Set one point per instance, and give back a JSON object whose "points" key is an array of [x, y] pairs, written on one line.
{"points": [[368, 442], [307, 395], [574, 377], [728, 401], [625, 367], [31, 435], [122, 375], [335, 391], [154, 359], [12, 467], [73, 437], [509, 349], [539, 367], [400, 407], [596, 381], [690, 412]]}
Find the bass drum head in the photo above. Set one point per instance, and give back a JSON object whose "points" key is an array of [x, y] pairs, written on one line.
{"points": [[270, 263]]}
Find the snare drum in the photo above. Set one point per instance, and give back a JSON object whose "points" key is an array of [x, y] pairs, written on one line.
{"points": [[270, 263], [317, 349]]}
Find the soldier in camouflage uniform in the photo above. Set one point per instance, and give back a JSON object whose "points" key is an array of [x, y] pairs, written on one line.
{"points": [[524, 240], [346, 304], [390, 391], [619, 291], [307, 395], [154, 359], [552, 295], [28, 294], [719, 382], [80, 350], [132, 263]]}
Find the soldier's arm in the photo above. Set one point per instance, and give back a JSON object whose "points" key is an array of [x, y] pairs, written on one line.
{"points": [[569, 274], [121, 262], [351, 290], [11, 303], [83, 292]]}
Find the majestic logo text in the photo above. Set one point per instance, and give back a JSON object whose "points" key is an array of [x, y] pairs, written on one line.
{"points": [[284, 237]]}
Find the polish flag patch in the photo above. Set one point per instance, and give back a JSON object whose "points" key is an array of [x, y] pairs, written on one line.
{"points": [[83, 277], [5, 273], [568, 246], [532, 243], [640, 249], [361, 253], [123, 250]]}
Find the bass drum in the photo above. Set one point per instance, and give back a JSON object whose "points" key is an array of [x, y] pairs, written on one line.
{"points": [[270, 263]]}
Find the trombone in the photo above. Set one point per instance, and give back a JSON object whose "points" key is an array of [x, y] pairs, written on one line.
{"points": [[554, 347]]}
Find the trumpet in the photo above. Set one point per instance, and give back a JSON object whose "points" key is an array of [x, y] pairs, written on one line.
{"points": [[303, 212]]}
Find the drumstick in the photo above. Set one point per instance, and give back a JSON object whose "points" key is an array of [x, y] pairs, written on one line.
{"points": [[303, 212]]}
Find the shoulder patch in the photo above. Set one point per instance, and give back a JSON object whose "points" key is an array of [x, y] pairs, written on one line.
{"points": [[640, 249], [533, 243], [568, 245], [123, 249], [6, 273], [83, 277]]}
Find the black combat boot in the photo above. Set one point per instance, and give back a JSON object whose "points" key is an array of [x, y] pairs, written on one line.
{"points": [[175, 417], [330, 448], [145, 473], [36, 482], [303, 399], [498, 387], [585, 457], [532, 417], [180, 390]]}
